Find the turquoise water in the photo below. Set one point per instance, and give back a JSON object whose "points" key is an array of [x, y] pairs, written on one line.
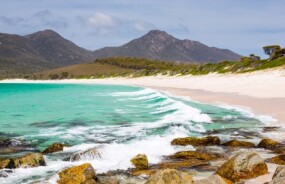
{"points": [[125, 120]]}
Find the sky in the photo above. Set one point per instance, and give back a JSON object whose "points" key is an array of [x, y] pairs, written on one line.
{"points": [[243, 26]]}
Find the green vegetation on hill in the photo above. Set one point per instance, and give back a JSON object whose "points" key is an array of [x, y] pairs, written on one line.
{"points": [[136, 67]]}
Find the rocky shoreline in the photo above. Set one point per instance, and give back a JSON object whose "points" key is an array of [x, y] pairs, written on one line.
{"points": [[212, 162]]}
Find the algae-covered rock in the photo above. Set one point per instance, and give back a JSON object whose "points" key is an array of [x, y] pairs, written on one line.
{"points": [[29, 160], [55, 147], [214, 179], [194, 141], [243, 165], [279, 159], [85, 155], [181, 164], [278, 176], [192, 155], [237, 143], [82, 174], [140, 161], [170, 176], [269, 144]]}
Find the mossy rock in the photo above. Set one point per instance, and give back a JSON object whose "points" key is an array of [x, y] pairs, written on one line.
{"points": [[170, 176], [140, 161], [280, 159], [194, 141], [82, 174], [269, 144], [237, 143], [213, 179], [244, 165], [55, 147], [29, 160], [192, 155]]}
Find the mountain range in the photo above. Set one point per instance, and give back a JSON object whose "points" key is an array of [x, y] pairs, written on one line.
{"points": [[46, 50]]}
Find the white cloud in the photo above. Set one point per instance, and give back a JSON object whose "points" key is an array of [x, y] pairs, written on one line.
{"points": [[102, 21]]}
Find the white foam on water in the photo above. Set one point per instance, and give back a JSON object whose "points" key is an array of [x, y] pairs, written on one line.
{"points": [[145, 91], [248, 113]]}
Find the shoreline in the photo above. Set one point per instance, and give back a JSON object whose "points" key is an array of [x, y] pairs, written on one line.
{"points": [[262, 92]]}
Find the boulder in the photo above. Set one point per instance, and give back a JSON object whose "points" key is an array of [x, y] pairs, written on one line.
{"points": [[237, 143], [181, 164], [29, 160], [278, 176], [82, 174], [170, 176], [269, 144], [279, 159], [85, 155], [243, 165], [55, 147], [140, 161], [214, 179], [194, 141], [192, 155]]}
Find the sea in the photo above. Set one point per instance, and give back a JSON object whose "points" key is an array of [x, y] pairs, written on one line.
{"points": [[120, 121]]}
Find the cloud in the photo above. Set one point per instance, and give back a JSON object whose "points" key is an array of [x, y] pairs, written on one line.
{"points": [[101, 21]]}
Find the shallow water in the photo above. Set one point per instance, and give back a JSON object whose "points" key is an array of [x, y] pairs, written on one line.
{"points": [[121, 121]]}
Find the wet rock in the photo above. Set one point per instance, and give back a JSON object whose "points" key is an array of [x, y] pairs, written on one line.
{"points": [[280, 150], [147, 172], [194, 141], [220, 152], [237, 143], [181, 164], [85, 155], [110, 181], [269, 144], [82, 174], [214, 179], [278, 176], [8, 146], [140, 161], [5, 173], [270, 129], [170, 176], [192, 154], [55, 147], [280, 160], [243, 165], [29, 160]]}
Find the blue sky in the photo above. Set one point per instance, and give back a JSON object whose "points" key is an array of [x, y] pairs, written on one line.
{"points": [[243, 26]]}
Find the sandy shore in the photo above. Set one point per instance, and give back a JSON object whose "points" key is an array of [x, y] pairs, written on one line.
{"points": [[261, 92]]}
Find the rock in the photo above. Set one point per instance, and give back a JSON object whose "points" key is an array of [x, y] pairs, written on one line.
{"points": [[55, 147], [85, 155], [191, 155], [278, 176], [8, 146], [236, 143], [29, 160], [280, 159], [181, 164], [4, 163], [169, 164], [280, 150], [243, 165], [214, 179], [82, 174], [269, 144], [140, 161], [194, 141], [170, 176]]}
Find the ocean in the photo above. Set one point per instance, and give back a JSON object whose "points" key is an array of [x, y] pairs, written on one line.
{"points": [[120, 121]]}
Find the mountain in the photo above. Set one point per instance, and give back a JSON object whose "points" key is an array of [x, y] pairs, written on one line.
{"points": [[38, 51], [45, 50], [162, 46]]}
